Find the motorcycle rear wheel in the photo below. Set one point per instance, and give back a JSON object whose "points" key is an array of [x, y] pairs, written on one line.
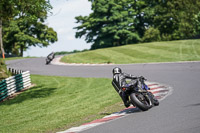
{"points": [[140, 101]]}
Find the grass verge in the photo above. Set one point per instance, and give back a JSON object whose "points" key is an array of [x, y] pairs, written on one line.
{"points": [[3, 70], [169, 51], [57, 103], [15, 58]]}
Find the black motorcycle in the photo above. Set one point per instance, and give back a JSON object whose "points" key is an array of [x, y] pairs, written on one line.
{"points": [[139, 94], [49, 58]]}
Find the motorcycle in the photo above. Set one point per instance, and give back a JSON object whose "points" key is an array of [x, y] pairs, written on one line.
{"points": [[49, 58], [139, 95]]}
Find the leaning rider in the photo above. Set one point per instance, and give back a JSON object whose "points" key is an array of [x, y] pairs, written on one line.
{"points": [[51, 56], [120, 84]]}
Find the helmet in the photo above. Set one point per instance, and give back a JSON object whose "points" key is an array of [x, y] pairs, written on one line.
{"points": [[117, 70]]}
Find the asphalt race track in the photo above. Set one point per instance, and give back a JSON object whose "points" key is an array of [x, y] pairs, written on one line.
{"points": [[178, 113]]}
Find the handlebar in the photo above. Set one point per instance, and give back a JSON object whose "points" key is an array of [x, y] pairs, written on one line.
{"points": [[142, 78]]}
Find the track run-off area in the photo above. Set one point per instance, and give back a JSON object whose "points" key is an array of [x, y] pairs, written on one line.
{"points": [[177, 86]]}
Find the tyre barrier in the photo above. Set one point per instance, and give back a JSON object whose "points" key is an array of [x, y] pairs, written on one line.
{"points": [[14, 71], [14, 84]]}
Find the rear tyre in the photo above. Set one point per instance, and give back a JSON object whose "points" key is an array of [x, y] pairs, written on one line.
{"points": [[140, 101]]}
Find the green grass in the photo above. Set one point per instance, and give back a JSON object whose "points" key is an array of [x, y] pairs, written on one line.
{"points": [[169, 51], [15, 58], [57, 103], [3, 70]]}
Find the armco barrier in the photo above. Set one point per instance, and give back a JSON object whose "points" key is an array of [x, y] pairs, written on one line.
{"points": [[14, 84]]}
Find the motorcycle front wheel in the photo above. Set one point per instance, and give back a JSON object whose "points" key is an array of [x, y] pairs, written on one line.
{"points": [[153, 99], [48, 61], [140, 101]]}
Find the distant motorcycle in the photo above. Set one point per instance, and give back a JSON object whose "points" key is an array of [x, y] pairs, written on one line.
{"points": [[140, 96], [49, 58]]}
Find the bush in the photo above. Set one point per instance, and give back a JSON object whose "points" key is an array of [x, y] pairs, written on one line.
{"points": [[3, 70], [166, 37], [151, 35]]}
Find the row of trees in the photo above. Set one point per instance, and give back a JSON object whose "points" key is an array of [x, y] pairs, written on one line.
{"points": [[22, 25], [120, 22]]}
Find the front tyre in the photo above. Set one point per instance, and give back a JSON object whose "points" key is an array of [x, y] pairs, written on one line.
{"points": [[47, 62], [153, 99], [140, 101]]}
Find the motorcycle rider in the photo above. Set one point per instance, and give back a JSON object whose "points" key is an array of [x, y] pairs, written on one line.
{"points": [[120, 84], [50, 57]]}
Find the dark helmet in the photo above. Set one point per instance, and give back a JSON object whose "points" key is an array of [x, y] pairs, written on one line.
{"points": [[117, 70]]}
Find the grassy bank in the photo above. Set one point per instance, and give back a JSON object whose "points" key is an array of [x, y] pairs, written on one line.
{"points": [[3, 70], [57, 103], [169, 51]]}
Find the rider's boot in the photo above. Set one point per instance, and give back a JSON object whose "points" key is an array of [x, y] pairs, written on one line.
{"points": [[127, 104], [125, 99]]}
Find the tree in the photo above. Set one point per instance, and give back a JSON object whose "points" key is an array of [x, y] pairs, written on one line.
{"points": [[6, 9], [151, 35], [197, 22], [118, 22], [1, 41], [24, 24], [175, 18], [20, 35], [110, 24]]}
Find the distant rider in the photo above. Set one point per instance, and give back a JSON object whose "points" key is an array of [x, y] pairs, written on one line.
{"points": [[120, 84], [50, 57]]}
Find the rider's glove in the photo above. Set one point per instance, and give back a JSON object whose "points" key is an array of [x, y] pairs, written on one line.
{"points": [[141, 77]]}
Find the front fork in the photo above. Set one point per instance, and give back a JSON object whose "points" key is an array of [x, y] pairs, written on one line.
{"points": [[148, 98]]}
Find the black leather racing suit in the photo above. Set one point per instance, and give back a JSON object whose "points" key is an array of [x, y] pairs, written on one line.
{"points": [[51, 56], [119, 81]]}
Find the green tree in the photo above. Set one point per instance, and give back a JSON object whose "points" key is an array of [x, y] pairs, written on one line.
{"points": [[23, 24], [197, 22], [151, 35], [6, 11], [110, 24], [20, 35], [175, 18], [118, 22]]}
